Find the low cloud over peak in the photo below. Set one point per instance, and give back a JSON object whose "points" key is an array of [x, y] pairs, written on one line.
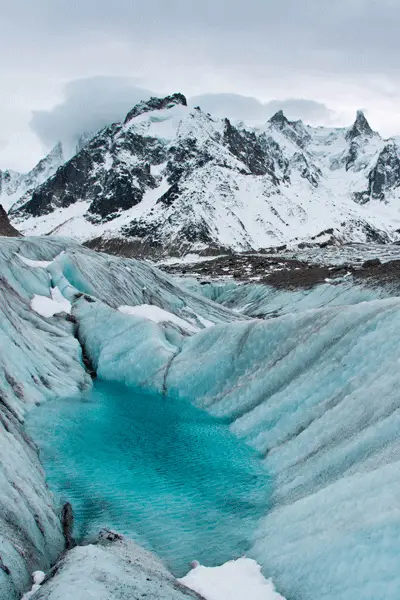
{"points": [[247, 108], [90, 104]]}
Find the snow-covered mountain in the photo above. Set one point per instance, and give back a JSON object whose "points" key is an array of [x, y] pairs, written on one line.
{"points": [[170, 179], [15, 186]]}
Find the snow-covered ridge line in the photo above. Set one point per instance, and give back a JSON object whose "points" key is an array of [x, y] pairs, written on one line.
{"points": [[174, 180]]}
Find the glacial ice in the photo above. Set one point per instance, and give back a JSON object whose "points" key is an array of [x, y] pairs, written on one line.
{"points": [[315, 391], [41, 359], [317, 394], [265, 301], [117, 570], [158, 315]]}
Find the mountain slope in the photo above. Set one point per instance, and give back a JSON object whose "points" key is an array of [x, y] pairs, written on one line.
{"points": [[16, 186], [171, 180]]}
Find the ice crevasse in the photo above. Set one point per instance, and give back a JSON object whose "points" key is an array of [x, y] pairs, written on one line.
{"points": [[314, 392]]}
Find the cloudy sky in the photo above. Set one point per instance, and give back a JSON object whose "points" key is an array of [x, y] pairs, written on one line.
{"points": [[73, 65]]}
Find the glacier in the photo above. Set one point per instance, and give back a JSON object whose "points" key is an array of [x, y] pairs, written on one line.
{"points": [[313, 390]]}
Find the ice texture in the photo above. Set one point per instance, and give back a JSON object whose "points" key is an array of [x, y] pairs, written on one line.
{"points": [[265, 301], [315, 391], [40, 358], [112, 570]]}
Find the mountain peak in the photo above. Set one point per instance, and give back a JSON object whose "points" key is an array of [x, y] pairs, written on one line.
{"points": [[156, 104], [279, 119], [359, 127]]}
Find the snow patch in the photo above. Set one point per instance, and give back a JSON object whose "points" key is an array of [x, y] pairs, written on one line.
{"points": [[205, 322], [41, 264], [157, 315], [48, 307], [235, 580], [37, 578]]}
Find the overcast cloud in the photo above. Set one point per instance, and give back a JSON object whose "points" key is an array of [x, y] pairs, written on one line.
{"points": [[68, 63]]}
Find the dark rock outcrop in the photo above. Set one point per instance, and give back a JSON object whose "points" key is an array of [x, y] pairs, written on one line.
{"points": [[99, 174], [386, 173], [155, 104], [6, 229], [360, 127], [67, 523], [249, 148]]}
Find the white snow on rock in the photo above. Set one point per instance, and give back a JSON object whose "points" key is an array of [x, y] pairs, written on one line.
{"points": [[48, 307], [158, 315], [240, 187], [235, 580], [14, 186]]}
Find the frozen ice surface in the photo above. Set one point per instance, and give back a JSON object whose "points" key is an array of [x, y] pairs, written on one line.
{"points": [[119, 570], [315, 391], [265, 301], [37, 578], [40, 359]]}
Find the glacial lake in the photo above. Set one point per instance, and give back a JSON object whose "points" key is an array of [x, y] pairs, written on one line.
{"points": [[157, 469]]}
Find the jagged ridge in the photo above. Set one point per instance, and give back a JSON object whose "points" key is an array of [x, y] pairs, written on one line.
{"points": [[169, 179]]}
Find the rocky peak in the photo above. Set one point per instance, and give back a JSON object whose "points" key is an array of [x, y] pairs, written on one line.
{"points": [[293, 130], [53, 160], [83, 141], [386, 173], [156, 104], [279, 120], [360, 127], [250, 149]]}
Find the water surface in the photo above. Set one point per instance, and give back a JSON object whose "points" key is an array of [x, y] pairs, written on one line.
{"points": [[157, 469]]}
